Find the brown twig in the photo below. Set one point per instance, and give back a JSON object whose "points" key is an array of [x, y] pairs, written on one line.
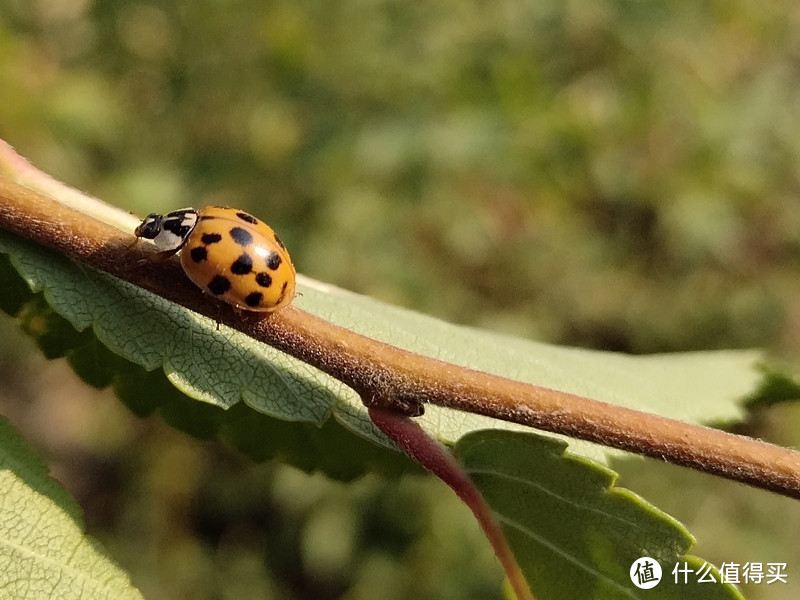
{"points": [[380, 371]]}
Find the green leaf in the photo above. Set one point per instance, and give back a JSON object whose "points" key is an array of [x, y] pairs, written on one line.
{"points": [[778, 384], [222, 367], [44, 552], [573, 532], [327, 447]]}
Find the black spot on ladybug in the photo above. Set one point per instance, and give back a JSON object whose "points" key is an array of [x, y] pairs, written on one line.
{"points": [[264, 280], [242, 265], [219, 285], [241, 236], [278, 241], [274, 261], [198, 254], [210, 238], [283, 292], [247, 218], [253, 299]]}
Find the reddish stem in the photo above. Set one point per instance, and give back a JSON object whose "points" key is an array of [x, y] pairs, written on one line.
{"points": [[440, 461]]}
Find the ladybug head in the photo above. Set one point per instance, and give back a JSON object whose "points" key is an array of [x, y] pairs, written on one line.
{"points": [[150, 227], [168, 232]]}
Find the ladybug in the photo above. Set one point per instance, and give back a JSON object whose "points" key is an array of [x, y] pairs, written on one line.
{"points": [[228, 253]]}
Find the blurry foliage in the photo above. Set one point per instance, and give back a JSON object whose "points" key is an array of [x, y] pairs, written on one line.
{"points": [[617, 174]]}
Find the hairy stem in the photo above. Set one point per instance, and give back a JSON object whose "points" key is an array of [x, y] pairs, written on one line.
{"points": [[394, 378]]}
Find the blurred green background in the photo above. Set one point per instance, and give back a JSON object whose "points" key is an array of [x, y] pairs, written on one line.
{"points": [[622, 175]]}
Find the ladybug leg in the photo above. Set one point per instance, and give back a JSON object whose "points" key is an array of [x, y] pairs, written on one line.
{"points": [[245, 315], [157, 257], [160, 257], [218, 309]]}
